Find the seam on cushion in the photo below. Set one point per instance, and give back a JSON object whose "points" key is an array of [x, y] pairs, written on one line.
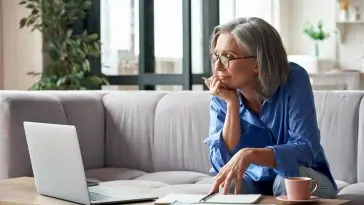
{"points": [[152, 141], [360, 133], [356, 119], [105, 130], [356, 140], [4, 173], [62, 106], [200, 178], [104, 121]]}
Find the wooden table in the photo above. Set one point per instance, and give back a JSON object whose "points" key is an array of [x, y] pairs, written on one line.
{"points": [[21, 191]]}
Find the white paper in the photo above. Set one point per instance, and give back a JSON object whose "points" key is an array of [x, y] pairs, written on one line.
{"points": [[186, 198], [183, 203], [216, 199], [234, 199]]}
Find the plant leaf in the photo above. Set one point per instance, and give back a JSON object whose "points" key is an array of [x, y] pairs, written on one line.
{"points": [[67, 65], [69, 33], [31, 6], [22, 23], [35, 11], [93, 36]]}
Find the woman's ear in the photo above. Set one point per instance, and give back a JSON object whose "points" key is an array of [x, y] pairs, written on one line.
{"points": [[255, 68]]}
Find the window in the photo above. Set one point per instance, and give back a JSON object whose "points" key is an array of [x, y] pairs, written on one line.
{"points": [[119, 37], [164, 48], [120, 87], [269, 10], [197, 37], [167, 47], [169, 87], [168, 36], [231, 9]]}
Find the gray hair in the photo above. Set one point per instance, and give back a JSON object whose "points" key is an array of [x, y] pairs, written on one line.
{"points": [[263, 41]]}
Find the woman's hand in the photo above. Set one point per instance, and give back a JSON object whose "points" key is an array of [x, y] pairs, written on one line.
{"points": [[232, 171], [218, 88]]}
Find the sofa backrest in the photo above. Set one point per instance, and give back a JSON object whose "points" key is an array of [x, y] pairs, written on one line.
{"points": [[181, 123], [84, 110], [130, 120], [360, 158], [159, 131], [338, 119], [182, 120]]}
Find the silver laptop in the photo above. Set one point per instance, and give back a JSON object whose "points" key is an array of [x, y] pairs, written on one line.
{"points": [[58, 168]]}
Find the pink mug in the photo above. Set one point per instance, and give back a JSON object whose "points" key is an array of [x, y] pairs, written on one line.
{"points": [[299, 188]]}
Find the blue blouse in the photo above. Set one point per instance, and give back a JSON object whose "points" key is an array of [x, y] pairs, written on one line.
{"points": [[286, 123]]}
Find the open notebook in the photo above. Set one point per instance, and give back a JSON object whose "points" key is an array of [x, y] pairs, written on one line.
{"points": [[214, 199]]}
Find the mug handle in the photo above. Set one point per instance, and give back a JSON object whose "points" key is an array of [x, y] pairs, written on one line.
{"points": [[314, 189]]}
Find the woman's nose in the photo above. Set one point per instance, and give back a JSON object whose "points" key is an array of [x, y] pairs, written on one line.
{"points": [[218, 66]]}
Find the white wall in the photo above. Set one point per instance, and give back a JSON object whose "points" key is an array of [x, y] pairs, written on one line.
{"points": [[280, 19], [351, 50], [303, 11], [347, 54], [22, 49]]}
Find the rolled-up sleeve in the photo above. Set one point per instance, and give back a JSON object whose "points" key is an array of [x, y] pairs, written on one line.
{"points": [[303, 136], [219, 153]]}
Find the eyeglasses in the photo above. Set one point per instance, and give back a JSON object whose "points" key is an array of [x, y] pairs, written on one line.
{"points": [[225, 60]]}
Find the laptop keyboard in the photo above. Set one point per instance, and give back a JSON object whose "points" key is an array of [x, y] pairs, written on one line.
{"points": [[98, 197]]}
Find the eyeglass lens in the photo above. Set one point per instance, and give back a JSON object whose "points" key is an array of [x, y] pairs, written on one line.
{"points": [[223, 59]]}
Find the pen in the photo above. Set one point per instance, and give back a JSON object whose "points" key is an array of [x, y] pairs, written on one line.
{"points": [[207, 197], [207, 81]]}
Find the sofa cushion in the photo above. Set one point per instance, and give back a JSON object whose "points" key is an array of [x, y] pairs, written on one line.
{"points": [[353, 192], [134, 184], [158, 188], [112, 174], [206, 180], [360, 159], [181, 123], [210, 180], [129, 118], [15, 108], [77, 107], [341, 184], [337, 114], [174, 177]]}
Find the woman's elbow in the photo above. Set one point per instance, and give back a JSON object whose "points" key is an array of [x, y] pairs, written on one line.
{"points": [[309, 152]]}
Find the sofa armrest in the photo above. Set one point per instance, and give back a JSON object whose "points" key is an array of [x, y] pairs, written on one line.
{"points": [[15, 108]]}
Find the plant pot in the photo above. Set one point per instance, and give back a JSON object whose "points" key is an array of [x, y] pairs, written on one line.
{"points": [[343, 15], [316, 49]]}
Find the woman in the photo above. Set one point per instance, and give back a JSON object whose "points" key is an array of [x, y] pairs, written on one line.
{"points": [[263, 125]]}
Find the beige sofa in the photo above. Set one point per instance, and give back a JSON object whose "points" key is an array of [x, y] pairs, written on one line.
{"points": [[154, 139]]}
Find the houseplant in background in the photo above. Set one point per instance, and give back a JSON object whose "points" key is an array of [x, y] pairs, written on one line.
{"points": [[317, 34], [67, 52]]}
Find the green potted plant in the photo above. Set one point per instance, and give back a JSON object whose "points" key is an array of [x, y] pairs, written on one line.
{"points": [[317, 34], [67, 53]]}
